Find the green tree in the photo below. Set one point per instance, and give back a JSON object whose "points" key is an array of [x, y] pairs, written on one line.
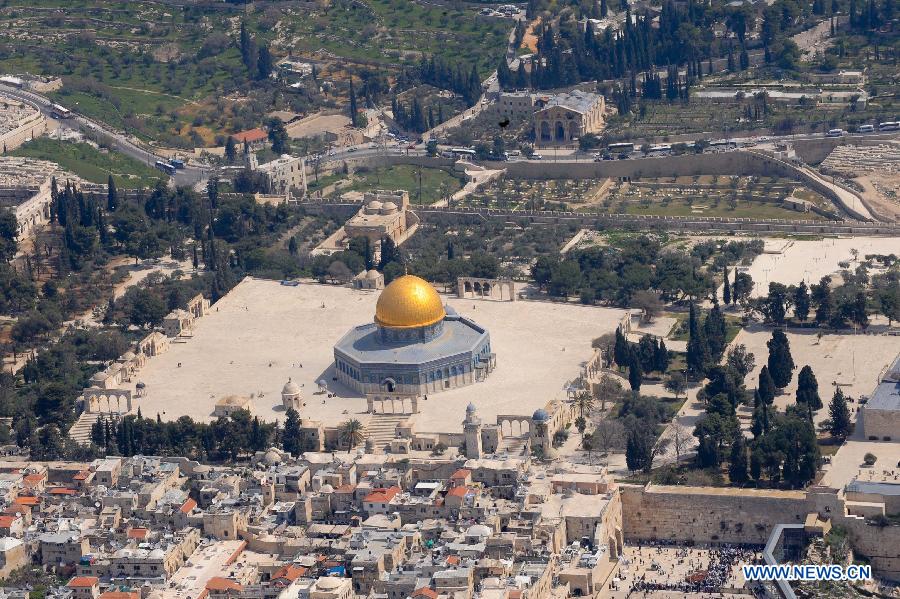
{"points": [[781, 364], [726, 291], [278, 136], [635, 374], [697, 348], [766, 388], [230, 149], [801, 301], [264, 63], [738, 462], [9, 230], [291, 440], [354, 114], [353, 433], [146, 308], [112, 195], [639, 448], [776, 303], [840, 424], [808, 391]]}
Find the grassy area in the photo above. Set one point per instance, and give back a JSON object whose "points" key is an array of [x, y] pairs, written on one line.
{"points": [[400, 31], [742, 209], [91, 164], [177, 76], [435, 183]]}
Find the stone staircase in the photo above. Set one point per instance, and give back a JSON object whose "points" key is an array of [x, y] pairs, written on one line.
{"points": [[381, 428], [513, 446], [81, 430]]}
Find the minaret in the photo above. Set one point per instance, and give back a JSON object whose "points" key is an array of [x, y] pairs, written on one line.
{"points": [[472, 430]]}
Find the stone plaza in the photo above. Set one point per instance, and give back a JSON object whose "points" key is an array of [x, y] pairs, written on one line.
{"points": [[263, 334]]}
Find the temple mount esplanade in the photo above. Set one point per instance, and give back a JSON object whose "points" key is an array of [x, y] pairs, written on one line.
{"points": [[415, 346]]}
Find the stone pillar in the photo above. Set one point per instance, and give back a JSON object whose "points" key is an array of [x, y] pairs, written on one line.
{"points": [[415, 404], [369, 404], [473, 440]]}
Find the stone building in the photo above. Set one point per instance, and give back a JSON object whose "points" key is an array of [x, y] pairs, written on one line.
{"points": [[880, 416], [415, 346], [384, 214], [566, 117], [285, 174]]}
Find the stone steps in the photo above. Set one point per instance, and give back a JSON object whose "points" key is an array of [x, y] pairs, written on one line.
{"points": [[382, 428], [80, 432], [513, 446]]}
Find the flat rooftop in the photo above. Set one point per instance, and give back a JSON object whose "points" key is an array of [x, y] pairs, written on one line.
{"points": [[263, 333]]}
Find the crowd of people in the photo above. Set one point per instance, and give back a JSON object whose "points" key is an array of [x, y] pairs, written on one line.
{"points": [[708, 572]]}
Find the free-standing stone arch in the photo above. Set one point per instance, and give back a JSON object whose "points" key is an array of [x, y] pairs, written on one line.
{"points": [[496, 289]]}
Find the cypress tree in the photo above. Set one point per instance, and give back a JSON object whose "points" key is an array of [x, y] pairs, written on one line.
{"points": [[766, 388], [840, 415], [726, 291], [781, 364], [354, 117], [635, 373], [808, 391], [112, 194], [737, 464], [697, 348]]}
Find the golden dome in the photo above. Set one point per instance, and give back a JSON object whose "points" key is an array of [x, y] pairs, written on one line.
{"points": [[408, 302]]}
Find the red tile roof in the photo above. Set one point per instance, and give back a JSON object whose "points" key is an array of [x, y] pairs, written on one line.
{"points": [[81, 582], [250, 135], [26, 500], [138, 533], [7, 521], [290, 572], [382, 495], [425, 592], [63, 491], [33, 479], [217, 583], [461, 473], [458, 492], [453, 560], [188, 506], [83, 476], [345, 488]]}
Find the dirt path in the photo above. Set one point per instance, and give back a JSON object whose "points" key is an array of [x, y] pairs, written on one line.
{"points": [[884, 206]]}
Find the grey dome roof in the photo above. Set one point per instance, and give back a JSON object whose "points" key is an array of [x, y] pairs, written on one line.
{"points": [[540, 415], [470, 409]]}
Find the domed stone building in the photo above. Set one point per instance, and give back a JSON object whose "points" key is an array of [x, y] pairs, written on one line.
{"points": [[415, 346]]}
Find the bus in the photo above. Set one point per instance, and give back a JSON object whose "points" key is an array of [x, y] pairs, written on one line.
{"points": [[622, 148], [60, 112], [866, 129], [723, 144], [165, 167], [660, 149], [835, 133], [462, 153], [889, 126]]}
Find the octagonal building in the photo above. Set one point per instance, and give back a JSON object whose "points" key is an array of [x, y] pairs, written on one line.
{"points": [[415, 345]]}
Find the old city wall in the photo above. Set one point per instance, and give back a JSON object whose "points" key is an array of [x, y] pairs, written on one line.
{"points": [[722, 515], [707, 514], [33, 126]]}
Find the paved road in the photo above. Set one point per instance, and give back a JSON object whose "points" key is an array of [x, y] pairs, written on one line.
{"points": [[116, 140]]}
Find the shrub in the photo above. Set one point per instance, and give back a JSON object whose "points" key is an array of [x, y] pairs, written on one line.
{"points": [[869, 459]]}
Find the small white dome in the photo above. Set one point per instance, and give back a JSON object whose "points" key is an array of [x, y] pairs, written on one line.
{"points": [[373, 207], [290, 388], [326, 488], [272, 457], [372, 274], [389, 208], [478, 530]]}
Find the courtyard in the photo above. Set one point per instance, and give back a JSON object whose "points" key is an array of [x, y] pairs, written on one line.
{"points": [[809, 260], [263, 333], [854, 362]]}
